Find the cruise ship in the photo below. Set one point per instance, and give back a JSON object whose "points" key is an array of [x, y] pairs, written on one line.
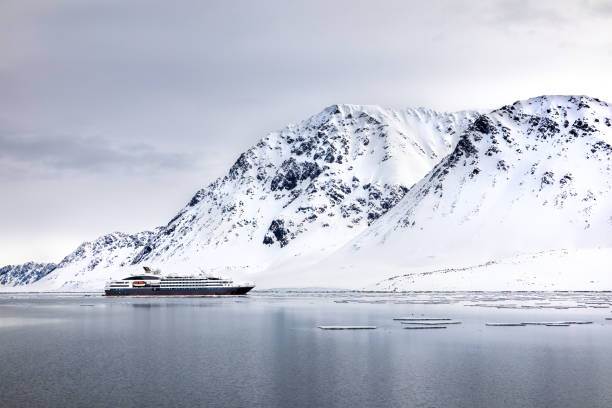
{"points": [[152, 283]]}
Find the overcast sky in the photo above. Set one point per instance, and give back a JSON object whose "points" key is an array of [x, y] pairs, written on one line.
{"points": [[114, 112]]}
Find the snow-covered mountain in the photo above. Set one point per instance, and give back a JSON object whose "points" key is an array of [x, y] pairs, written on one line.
{"points": [[358, 194], [531, 177], [307, 189], [86, 268], [29, 272]]}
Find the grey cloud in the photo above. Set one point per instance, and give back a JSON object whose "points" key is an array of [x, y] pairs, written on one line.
{"points": [[598, 8], [528, 12], [57, 153]]}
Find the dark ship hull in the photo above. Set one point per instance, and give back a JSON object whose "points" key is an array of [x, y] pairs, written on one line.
{"points": [[156, 291]]}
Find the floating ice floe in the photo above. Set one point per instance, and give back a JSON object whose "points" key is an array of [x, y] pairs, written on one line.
{"points": [[556, 323], [347, 327], [430, 323], [424, 327]]}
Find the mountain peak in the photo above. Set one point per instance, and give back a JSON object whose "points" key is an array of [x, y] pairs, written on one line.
{"points": [[559, 104]]}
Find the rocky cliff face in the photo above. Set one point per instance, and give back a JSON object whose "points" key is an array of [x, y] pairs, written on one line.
{"points": [[356, 193]]}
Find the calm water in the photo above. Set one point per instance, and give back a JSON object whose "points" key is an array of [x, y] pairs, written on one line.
{"points": [[265, 350]]}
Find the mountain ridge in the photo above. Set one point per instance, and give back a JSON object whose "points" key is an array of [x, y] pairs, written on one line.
{"points": [[352, 176]]}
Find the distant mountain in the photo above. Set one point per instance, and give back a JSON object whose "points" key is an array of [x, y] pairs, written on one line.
{"points": [[358, 194], [29, 272], [92, 263]]}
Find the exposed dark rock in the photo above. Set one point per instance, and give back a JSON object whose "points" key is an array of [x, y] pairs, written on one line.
{"points": [[492, 150], [547, 178], [277, 231], [311, 217], [304, 147], [548, 127], [196, 198], [464, 149], [583, 125], [601, 146], [566, 179], [291, 173], [483, 125], [373, 216], [240, 167]]}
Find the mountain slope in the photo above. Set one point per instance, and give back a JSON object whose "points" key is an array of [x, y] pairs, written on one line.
{"points": [[308, 188], [532, 176], [568, 270]]}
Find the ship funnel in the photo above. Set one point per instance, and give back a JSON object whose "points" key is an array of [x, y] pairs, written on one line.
{"points": [[153, 271]]}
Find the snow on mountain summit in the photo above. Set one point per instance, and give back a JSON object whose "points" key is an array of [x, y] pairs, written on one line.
{"points": [[355, 194]]}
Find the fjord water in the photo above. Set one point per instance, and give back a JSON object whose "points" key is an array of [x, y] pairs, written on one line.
{"points": [[265, 350]]}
